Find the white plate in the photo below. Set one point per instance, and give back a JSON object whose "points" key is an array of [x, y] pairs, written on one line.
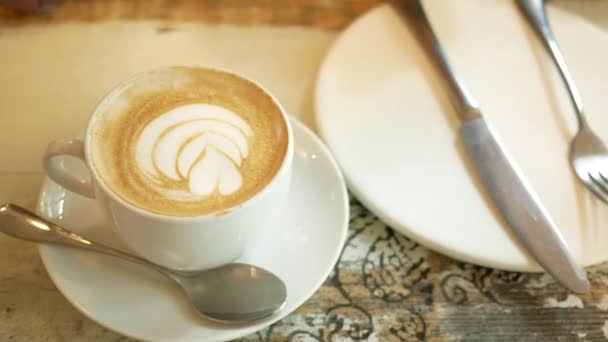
{"points": [[384, 113], [142, 304]]}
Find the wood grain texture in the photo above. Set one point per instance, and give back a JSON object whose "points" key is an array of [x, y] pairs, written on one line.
{"points": [[326, 14]]}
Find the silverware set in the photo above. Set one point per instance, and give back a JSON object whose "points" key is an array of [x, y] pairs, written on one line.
{"points": [[513, 196]]}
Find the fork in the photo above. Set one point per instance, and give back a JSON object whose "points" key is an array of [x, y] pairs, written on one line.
{"points": [[588, 154]]}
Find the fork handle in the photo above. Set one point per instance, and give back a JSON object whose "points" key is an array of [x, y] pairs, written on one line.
{"points": [[536, 14]]}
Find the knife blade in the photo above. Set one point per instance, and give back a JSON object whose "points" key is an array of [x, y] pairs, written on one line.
{"points": [[503, 180], [519, 205]]}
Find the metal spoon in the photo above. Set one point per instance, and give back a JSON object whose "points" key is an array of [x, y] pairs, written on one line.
{"points": [[232, 293]]}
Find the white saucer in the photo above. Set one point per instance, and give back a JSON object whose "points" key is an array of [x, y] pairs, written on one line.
{"points": [[141, 304], [384, 113]]}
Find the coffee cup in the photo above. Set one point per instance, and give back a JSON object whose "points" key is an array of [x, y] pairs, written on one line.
{"points": [[191, 164]]}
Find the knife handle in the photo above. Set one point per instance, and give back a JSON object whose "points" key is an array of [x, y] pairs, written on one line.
{"points": [[520, 206], [465, 104]]}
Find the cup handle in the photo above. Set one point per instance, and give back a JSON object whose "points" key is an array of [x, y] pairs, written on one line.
{"points": [[57, 171]]}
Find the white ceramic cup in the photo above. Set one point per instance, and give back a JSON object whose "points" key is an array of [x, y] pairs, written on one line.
{"points": [[180, 243]]}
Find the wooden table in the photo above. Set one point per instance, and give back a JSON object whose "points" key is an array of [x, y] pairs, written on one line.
{"points": [[385, 287], [333, 14]]}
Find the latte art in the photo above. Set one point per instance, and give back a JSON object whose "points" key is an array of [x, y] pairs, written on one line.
{"points": [[182, 141], [199, 146]]}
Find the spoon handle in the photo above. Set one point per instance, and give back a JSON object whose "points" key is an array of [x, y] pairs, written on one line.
{"points": [[23, 224]]}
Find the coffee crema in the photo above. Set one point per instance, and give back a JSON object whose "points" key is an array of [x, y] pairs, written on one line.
{"points": [[188, 141]]}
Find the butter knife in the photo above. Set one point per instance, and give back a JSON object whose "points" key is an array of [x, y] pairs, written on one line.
{"points": [[505, 183]]}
